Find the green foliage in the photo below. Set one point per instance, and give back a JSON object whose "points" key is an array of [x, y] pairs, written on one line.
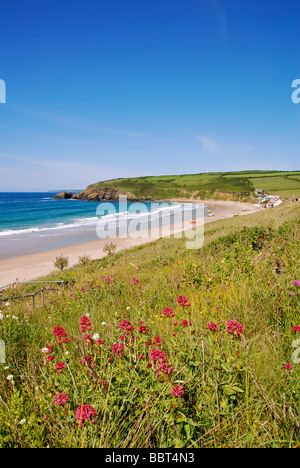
{"points": [[237, 391], [61, 262]]}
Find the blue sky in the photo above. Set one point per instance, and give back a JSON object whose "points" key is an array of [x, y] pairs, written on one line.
{"points": [[99, 90]]}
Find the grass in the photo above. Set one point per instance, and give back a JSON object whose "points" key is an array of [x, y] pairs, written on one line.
{"points": [[237, 390], [226, 185]]}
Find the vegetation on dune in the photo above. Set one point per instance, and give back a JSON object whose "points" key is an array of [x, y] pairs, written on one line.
{"points": [[160, 346]]}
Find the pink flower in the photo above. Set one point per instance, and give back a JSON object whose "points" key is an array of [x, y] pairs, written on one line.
{"points": [[60, 366], [157, 341], [135, 281], [142, 329], [50, 358], [212, 326], [183, 301], [185, 323], [61, 335], [84, 413], [117, 348], [87, 360], [61, 399], [156, 354], [289, 366], [296, 283], [296, 328], [234, 328], [99, 342], [178, 391], [85, 324], [126, 325], [168, 312]]}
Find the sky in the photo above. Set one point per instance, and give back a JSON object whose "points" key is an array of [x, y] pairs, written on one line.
{"points": [[99, 89]]}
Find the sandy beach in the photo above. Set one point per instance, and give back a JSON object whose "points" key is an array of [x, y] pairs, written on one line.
{"points": [[33, 266]]}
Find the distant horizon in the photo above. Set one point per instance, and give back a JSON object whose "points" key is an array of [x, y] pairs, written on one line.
{"points": [[146, 176]]}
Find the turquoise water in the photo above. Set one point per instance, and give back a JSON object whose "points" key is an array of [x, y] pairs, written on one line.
{"points": [[34, 222]]}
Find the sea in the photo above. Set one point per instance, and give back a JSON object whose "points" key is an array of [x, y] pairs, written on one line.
{"points": [[36, 222]]}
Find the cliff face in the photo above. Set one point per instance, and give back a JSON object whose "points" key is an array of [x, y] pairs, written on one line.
{"points": [[97, 194]]}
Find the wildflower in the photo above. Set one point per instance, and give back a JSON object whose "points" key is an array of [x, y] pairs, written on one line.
{"points": [[59, 367], [10, 377], [157, 341], [84, 413], [126, 325], [296, 328], [99, 342], [85, 324], [289, 366], [87, 360], [212, 326], [183, 301], [164, 367], [61, 335], [117, 349], [50, 358], [185, 323], [135, 281], [177, 391], [103, 323], [142, 329], [296, 283], [127, 308], [168, 312], [48, 349], [61, 399], [156, 354], [234, 328], [23, 421], [96, 337]]}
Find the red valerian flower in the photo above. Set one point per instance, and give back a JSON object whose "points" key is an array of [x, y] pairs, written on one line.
{"points": [[168, 312], [142, 329], [85, 324], [164, 367], [296, 283], [50, 358], [60, 366], [234, 328], [126, 325], [61, 399], [178, 391], [61, 335], [117, 348], [157, 341], [212, 326], [183, 301], [156, 354], [296, 328], [289, 366], [134, 280], [185, 323], [84, 413]]}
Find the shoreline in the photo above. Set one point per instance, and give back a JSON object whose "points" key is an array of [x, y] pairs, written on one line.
{"points": [[36, 265]]}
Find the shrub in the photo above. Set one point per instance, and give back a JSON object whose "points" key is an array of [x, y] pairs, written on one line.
{"points": [[110, 248], [61, 262]]}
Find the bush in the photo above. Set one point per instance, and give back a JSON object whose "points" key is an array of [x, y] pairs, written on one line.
{"points": [[61, 262], [84, 260], [110, 248]]}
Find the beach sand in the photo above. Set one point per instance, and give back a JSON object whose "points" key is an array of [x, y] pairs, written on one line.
{"points": [[33, 266]]}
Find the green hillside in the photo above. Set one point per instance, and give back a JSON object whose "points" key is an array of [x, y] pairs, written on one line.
{"points": [[217, 185], [207, 359]]}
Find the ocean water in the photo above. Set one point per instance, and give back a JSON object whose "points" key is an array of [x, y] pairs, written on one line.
{"points": [[34, 222]]}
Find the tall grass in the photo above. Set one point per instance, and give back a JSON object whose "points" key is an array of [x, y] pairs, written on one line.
{"points": [[237, 390]]}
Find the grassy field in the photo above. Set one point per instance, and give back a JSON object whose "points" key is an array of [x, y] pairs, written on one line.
{"points": [[233, 185], [163, 347]]}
